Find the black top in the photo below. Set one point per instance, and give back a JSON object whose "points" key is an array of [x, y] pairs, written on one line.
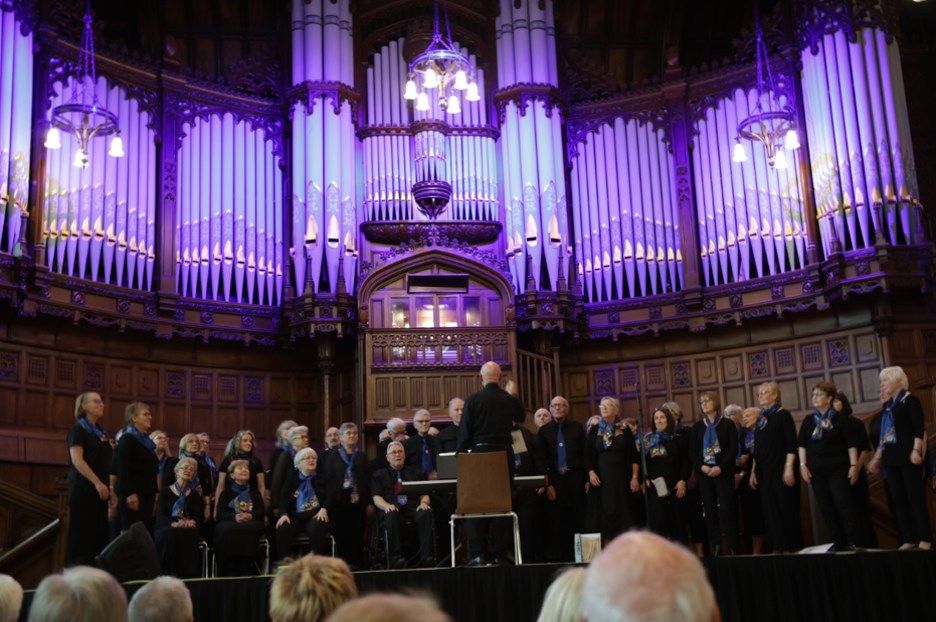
{"points": [[275, 456], [448, 439], [574, 435], [488, 418], [621, 443], [727, 441], [908, 424], [672, 463], [384, 480], [829, 452], [137, 467], [856, 435], [284, 465], [194, 507], [97, 453], [380, 460], [287, 500], [204, 473], [227, 513], [255, 466], [413, 448], [529, 462], [774, 442], [334, 471]]}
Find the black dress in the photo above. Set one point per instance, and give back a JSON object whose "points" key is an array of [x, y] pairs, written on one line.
{"points": [[857, 436], [346, 500], [87, 529], [666, 459], [236, 543], [774, 439], [718, 495], [612, 456], [304, 520], [137, 468], [749, 502], [178, 546]]}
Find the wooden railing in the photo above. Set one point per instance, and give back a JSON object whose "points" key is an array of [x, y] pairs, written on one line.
{"points": [[537, 379], [32, 535]]}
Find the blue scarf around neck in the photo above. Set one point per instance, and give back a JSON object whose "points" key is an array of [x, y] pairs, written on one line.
{"points": [[710, 446], [653, 444], [243, 502], [306, 501], [823, 423], [764, 414], [143, 438], [888, 431], [93, 429]]}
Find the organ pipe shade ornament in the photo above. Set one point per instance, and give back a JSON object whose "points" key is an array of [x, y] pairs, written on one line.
{"points": [[442, 68], [83, 115], [774, 127]]}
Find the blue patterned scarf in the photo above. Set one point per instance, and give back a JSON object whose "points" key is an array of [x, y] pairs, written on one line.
{"points": [[306, 501], [764, 413], [178, 508], [349, 483], [888, 431], [653, 444], [243, 502], [823, 423], [710, 446], [93, 429]]}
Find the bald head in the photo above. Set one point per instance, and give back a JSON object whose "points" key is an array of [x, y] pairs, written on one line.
{"points": [[640, 560], [490, 372]]}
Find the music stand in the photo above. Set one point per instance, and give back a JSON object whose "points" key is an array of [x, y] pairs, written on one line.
{"points": [[483, 491]]}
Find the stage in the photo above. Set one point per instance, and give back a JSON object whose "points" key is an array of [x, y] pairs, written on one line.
{"points": [[868, 586]]}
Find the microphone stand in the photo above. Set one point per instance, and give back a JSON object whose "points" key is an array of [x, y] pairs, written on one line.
{"points": [[640, 444]]}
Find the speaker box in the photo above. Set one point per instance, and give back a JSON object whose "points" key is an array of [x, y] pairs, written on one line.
{"points": [[131, 556]]}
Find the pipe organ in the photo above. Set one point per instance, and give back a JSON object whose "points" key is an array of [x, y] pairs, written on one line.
{"points": [[750, 216], [859, 141], [403, 146], [323, 147], [16, 77], [230, 213], [623, 200], [100, 221]]}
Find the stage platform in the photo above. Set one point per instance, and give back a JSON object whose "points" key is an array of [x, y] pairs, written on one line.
{"points": [[870, 586]]}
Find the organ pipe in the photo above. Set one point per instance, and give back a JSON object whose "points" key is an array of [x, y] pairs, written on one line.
{"points": [[16, 75]]}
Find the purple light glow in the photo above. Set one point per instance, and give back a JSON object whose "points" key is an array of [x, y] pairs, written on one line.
{"points": [[16, 74]]}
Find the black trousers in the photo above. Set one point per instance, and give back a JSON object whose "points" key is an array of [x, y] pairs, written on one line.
{"points": [[303, 522], [348, 521], [781, 505], [525, 504], [908, 502], [861, 497], [88, 531], [144, 512], [397, 524], [720, 509], [568, 513], [666, 516], [836, 502]]}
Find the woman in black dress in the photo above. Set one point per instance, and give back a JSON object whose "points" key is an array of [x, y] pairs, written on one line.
{"points": [[749, 501], [241, 447], [137, 468], [240, 523], [713, 453], [179, 515], [774, 473], [900, 453], [667, 473], [856, 436], [164, 455], [190, 447], [610, 457], [89, 451], [826, 461], [301, 506]]}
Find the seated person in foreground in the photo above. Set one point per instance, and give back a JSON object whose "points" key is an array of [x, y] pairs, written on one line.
{"points": [[240, 523], [397, 508], [300, 506], [179, 514]]}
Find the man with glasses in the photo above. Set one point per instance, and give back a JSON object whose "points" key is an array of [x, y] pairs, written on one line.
{"points": [[422, 450]]}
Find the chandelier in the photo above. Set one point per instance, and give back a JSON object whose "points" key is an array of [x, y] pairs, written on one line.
{"points": [[442, 68], [83, 116], [774, 128]]}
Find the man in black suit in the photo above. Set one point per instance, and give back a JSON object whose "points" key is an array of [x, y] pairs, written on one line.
{"points": [[448, 438], [422, 449], [485, 427], [562, 442]]}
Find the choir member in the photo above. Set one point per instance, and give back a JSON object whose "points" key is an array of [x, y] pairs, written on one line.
{"points": [[241, 447], [301, 506], [713, 453], [179, 514], [164, 455], [857, 437], [347, 476], [137, 468], [666, 477], [240, 522], [397, 509], [422, 449], [282, 444], [448, 438], [612, 468], [749, 502], [298, 439]]}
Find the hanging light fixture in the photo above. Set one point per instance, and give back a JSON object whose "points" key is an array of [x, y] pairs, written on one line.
{"points": [[774, 128], [83, 115], [442, 68]]}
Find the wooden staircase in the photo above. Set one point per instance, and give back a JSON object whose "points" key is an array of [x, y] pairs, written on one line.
{"points": [[33, 530]]}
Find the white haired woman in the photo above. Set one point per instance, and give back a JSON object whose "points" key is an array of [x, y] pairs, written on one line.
{"points": [[179, 514], [611, 461], [899, 450], [301, 506], [298, 439]]}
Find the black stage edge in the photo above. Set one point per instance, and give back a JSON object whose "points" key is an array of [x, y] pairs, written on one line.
{"points": [[870, 586]]}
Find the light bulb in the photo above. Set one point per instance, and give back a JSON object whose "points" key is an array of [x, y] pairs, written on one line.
{"points": [[81, 158], [780, 161], [422, 102], [453, 106], [791, 140], [53, 139], [461, 80], [410, 91], [472, 95], [430, 79], [116, 147], [739, 154]]}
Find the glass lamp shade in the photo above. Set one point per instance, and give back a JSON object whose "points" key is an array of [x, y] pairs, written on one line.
{"points": [[53, 139], [430, 79], [116, 147], [422, 102], [780, 161], [410, 91], [453, 106], [461, 80], [791, 140], [472, 95], [81, 159], [739, 155]]}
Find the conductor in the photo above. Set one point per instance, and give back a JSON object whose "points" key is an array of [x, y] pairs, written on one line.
{"points": [[486, 424]]}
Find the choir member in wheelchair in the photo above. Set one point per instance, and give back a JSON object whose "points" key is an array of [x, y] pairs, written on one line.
{"points": [[301, 508], [179, 514]]}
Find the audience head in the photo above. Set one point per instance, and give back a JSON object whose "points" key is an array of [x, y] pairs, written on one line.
{"points": [[11, 598], [559, 408], [541, 417], [609, 407], [389, 608], [490, 372], [456, 407], [283, 429], [298, 437], [396, 455], [841, 404], [663, 420], [189, 444], [893, 380], [306, 460], [137, 415], [624, 583], [422, 421], [89, 405], [332, 437], [310, 588], [348, 432], [563, 598], [164, 599], [768, 394], [749, 417], [186, 468], [676, 409], [79, 594]]}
